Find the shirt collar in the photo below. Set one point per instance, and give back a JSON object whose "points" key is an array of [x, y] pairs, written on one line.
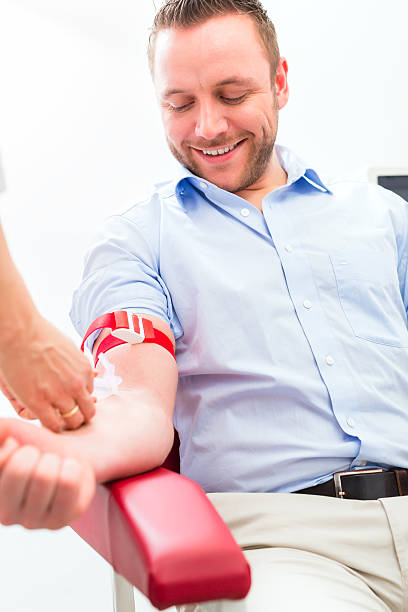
{"points": [[296, 168], [293, 165]]}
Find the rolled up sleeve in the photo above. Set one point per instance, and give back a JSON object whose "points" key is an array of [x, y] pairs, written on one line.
{"points": [[122, 272]]}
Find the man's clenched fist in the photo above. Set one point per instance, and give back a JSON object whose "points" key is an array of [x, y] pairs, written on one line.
{"points": [[42, 489]]}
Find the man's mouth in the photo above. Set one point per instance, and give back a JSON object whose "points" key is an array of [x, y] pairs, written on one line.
{"points": [[219, 154]]}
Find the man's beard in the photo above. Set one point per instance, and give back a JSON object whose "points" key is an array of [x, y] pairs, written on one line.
{"points": [[258, 160]]}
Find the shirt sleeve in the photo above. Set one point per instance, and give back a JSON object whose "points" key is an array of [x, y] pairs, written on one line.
{"points": [[122, 272]]}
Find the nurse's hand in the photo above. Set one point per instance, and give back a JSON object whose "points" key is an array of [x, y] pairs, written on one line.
{"points": [[40, 489], [44, 375]]}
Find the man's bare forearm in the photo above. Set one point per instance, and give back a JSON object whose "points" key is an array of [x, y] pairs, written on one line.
{"points": [[130, 434], [136, 426]]}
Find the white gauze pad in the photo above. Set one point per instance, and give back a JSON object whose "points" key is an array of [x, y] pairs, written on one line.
{"points": [[107, 384]]}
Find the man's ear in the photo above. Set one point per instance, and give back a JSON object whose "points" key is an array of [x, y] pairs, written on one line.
{"points": [[281, 83]]}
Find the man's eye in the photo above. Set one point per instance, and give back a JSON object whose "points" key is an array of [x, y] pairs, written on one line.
{"points": [[233, 100], [179, 109]]}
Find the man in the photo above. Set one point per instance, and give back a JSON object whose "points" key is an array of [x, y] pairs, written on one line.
{"points": [[42, 373], [285, 298]]}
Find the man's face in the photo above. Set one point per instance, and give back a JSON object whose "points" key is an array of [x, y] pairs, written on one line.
{"points": [[213, 82]]}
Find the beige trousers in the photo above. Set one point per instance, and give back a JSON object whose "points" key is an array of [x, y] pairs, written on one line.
{"points": [[314, 553]]}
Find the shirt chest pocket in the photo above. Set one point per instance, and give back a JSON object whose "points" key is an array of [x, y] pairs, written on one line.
{"points": [[368, 289]]}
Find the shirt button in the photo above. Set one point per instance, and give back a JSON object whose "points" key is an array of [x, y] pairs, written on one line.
{"points": [[329, 360], [288, 248], [244, 212], [350, 422], [307, 304], [203, 185]]}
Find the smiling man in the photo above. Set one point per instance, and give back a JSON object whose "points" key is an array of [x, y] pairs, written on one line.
{"points": [[220, 101], [285, 299]]}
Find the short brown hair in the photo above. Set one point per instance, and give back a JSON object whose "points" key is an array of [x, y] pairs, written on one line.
{"points": [[187, 13]]}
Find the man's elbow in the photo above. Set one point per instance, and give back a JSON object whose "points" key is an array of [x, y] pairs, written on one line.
{"points": [[165, 441]]}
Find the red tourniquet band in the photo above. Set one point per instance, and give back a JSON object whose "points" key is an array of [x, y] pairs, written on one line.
{"points": [[140, 328], [110, 342]]}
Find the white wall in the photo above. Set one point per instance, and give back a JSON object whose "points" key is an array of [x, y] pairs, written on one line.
{"points": [[80, 138]]}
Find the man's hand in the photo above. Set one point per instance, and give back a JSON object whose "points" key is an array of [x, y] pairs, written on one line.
{"points": [[44, 375], [41, 488]]}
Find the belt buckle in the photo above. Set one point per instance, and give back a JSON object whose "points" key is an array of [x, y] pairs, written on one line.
{"points": [[337, 476]]}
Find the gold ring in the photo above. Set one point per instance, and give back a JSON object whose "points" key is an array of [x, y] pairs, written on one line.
{"points": [[71, 413]]}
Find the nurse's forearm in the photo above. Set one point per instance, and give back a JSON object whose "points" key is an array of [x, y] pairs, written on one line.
{"points": [[40, 368], [16, 306]]}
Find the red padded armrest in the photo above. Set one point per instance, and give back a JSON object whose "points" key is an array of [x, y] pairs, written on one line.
{"points": [[162, 534]]}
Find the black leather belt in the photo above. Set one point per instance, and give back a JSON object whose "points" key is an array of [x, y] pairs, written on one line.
{"points": [[363, 484]]}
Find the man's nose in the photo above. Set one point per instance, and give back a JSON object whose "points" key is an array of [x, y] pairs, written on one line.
{"points": [[210, 122]]}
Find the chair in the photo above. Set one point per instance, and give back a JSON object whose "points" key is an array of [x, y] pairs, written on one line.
{"points": [[161, 534]]}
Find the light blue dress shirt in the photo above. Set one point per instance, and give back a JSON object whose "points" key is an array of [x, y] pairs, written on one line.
{"points": [[290, 326]]}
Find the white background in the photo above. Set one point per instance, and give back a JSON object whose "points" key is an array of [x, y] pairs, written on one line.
{"points": [[81, 138]]}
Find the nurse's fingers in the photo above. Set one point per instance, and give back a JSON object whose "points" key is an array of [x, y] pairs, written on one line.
{"points": [[14, 479], [70, 414], [41, 491], [75, 490]]}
